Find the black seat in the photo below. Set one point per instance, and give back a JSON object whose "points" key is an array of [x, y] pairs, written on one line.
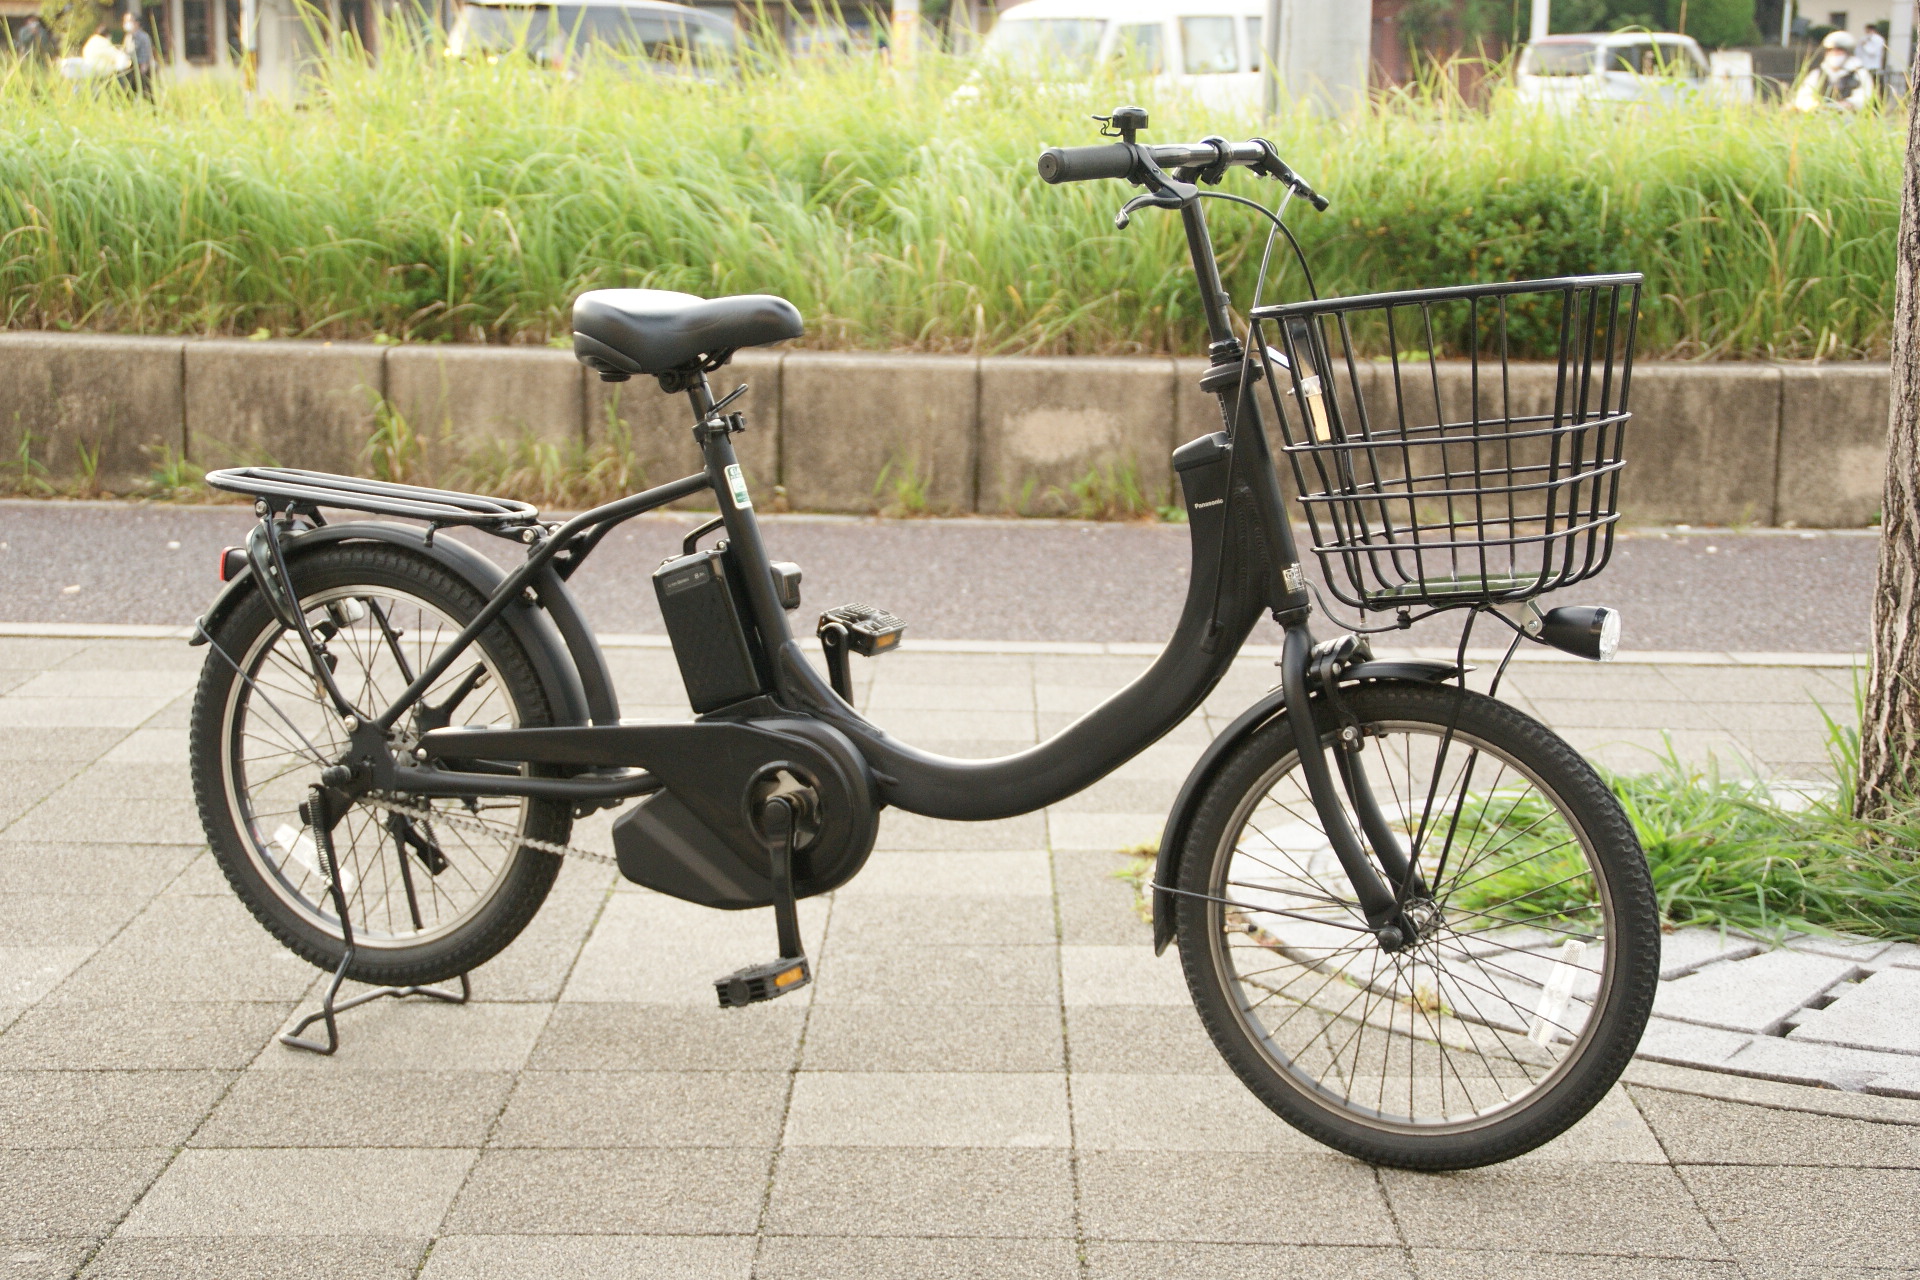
{"points": [[654, 331]]}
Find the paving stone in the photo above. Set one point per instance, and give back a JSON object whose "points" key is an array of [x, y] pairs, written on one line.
{"points": [[644, 1109], [922, 1192], [112, 822], [1165, 1112], [928, 1109], [948, 975], [1827, 1217], [651, 949], [960, 873], [420, 1035], [638, 1037], [1462, 1264], [1232, 1197], [42, 1259], [1121, 975], [383, 1192], [230, 957], [1823, 1066], [1614, 1132], [1582, 1208], [1153, 1260], [481, 1257], [82, 746], [1686, 1044], [77, 713], [313, 1257], [29, 974], [933, 1037], [1140, 1039], [105, 1109], [1901, 955], [360, 1108], [1709, 1131], [536, 966], [1685, 950], [56, 1194], [139, 870], [65, 919], [905, 921], [906, 1258], [1103, 832], [1097, 906], [1882, 1012], [909, 832], [1755, 995], [132, 1036], [685, 1191], [1862, 951], [148, 746]]}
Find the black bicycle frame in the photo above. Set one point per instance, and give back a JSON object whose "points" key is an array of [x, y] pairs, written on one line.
{"points": [[1244, 562]]}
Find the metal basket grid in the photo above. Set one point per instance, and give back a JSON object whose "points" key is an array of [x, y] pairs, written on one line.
{"points": [[1446, 482]]}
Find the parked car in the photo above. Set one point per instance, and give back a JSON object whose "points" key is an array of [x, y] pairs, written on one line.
{"points": [[667, 38], [1208, 48], [1613, 67]]}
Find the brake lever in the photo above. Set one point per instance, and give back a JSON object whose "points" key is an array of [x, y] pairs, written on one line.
{"points": [[1272, 166], [1164, 191]]}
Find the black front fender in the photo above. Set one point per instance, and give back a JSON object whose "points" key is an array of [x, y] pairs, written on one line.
{"points": [[552, 662], [1166, 868]]}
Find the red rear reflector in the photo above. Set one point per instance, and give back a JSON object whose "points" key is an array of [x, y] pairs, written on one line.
{"points": [[232, 561]]}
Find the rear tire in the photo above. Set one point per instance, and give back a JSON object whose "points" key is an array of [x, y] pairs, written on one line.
{"points": [[1455, 1051], [258, 743]]}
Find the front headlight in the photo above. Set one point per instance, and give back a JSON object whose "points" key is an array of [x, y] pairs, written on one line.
{"points": [[1585, 630]]}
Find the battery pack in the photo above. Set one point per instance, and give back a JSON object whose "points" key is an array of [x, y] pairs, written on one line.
{"points": [[706, 620]]}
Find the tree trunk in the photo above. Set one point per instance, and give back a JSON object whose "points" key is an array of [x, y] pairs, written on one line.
{"points": [[1890, 722]]}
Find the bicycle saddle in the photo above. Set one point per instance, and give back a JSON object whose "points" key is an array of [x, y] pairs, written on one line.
{"points": [[654, 331]]}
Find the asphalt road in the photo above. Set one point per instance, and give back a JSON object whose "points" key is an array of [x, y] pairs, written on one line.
{"points": [[968, 579]]}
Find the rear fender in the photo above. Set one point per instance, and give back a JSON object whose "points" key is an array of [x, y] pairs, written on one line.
{"points": [[530, 625], [1166, 868]]}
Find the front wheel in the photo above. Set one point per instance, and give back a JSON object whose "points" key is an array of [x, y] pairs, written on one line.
{"points": [[1525, 992]]}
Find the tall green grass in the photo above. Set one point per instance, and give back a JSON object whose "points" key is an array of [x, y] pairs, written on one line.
{"points": [[424, 200], [1733, 852]]}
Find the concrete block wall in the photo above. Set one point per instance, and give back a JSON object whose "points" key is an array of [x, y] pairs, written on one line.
{"points": [[863, 432]]}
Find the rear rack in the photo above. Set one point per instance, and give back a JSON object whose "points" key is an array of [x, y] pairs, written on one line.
{"points": [[291, 486]]}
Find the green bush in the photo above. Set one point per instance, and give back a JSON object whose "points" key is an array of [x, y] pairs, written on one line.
{"points": [[424, 200]]}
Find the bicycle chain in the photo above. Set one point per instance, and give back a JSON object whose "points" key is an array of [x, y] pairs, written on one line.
{"points": [[487, 828]]}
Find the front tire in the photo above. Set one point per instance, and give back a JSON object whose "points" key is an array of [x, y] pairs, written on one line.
{"points": [[429, 898], [1525, 995]]}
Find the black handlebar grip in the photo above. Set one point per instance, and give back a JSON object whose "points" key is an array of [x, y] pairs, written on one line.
{"points": [[1084, 164]]}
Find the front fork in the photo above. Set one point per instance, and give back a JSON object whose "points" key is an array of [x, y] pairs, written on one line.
{"points": [[1383, 903]]}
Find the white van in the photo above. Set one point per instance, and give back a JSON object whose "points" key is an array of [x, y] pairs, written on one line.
{"points": [[1613, 66], [668, 39], [1208, 48]]}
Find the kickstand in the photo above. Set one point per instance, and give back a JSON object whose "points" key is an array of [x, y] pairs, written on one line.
{"points": [[318, 816], [790, 972]]}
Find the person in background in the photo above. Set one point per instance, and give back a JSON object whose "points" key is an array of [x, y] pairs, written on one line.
{"points": [[101, 56], [137, 46], [33, 42], [1873, 55], [1837, 82]]}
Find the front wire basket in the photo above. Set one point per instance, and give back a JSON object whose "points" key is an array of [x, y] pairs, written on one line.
{"points": [[1437, 482]]}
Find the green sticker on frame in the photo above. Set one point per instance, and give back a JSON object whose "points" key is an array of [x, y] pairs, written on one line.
{"points": [[738, 483]]}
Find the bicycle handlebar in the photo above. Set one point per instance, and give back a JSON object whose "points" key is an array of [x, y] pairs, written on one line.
{"points": [[1117, 160]]}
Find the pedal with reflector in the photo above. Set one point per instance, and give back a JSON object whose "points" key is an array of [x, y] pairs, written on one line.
{"points": [[759, 982], [855, 628]]}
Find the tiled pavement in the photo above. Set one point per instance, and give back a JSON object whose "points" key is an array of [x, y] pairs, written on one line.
{"points": [[992, 1077]]}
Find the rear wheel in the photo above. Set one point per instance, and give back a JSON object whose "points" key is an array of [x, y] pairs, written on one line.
{"points": [[431, 894], [1521, 1001]]}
